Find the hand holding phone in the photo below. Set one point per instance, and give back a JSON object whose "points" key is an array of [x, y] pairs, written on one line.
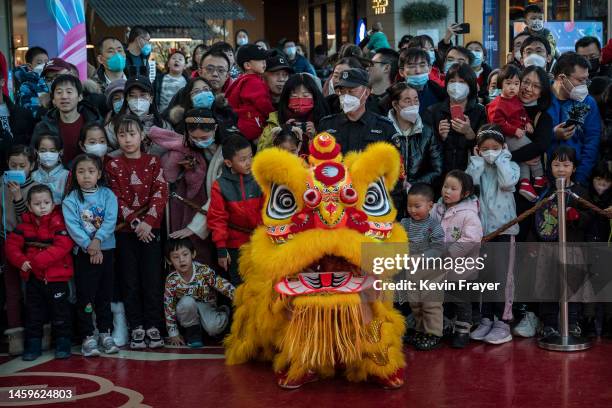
{"points": [[456, 112], [463, 28]]}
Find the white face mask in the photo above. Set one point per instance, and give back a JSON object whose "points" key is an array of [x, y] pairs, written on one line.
{"points": [[535, 59], [98, 149], [410, 113], [139, 106], [532, 103], [536, 25], [490, 155], [578, 93], [517, 55], [349, 103], [458, 91], [49, 159], [39, 69]]}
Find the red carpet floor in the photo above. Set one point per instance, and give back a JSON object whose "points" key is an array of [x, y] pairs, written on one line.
{"points": [[516, 374]]}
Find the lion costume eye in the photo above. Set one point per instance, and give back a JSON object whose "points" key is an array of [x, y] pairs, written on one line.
{"points": [[376, 201], [282, 204]]}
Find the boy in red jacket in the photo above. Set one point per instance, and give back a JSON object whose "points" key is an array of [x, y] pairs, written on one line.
{"points": [[40, 247], [508, 112], [249, 96], [235, 205]]}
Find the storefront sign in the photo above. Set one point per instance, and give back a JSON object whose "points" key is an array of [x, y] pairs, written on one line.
{"points": [[380, 6], [490, 34]]}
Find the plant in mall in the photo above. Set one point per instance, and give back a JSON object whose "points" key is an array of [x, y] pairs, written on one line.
{"points": [[424, 12]]}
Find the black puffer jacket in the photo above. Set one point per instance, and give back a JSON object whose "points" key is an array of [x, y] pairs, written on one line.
{"points": [[456, 148]]}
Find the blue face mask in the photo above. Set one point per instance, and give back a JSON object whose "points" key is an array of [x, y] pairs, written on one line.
{"points": [[448, 66], [204, 144], [495, 93], [418, 80], [117, 105], [146, 49], [203, 99], [477, 58], [116, 63], [432, 56]]}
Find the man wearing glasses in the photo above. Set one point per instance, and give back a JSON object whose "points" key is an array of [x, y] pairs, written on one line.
{"points": [[574, 113], [214, 67], [382, 72]]}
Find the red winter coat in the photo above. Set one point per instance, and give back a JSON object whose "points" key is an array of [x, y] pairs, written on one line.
{"points": [[51, 264], [508, 113], [249, 97]]}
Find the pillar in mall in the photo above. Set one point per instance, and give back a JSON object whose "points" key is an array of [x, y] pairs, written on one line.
{"points": [[59, 27]]}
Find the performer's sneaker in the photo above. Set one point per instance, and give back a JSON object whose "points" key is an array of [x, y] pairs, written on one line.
{"points": [[283, 382], [393, 382]]}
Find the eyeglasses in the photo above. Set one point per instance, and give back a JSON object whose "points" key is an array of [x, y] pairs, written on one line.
{"points": [[534, 85], [586, 82], [197, 91], [211, 69]]}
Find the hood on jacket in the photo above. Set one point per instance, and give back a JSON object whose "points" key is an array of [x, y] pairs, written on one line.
{"points": [[417, 127], [467, 204]]}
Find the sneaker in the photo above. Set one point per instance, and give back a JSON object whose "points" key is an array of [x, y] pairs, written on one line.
{"points": [[539, 182], [283, 382], [482, 330], [461, 336], [549, 331], [15, 340], [426, 341], [154, 339], [32, 349], [527, 326], [527, 190], [575, 330], [138, 338], [499, 334], [89, 348], [107, 343], [63, 348]]}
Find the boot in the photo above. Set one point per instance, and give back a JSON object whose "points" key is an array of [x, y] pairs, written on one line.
{"points": [[63, 346], [15, 340], [32, 349], [120, 330]]}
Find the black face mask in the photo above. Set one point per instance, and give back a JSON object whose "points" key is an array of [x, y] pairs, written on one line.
{"points": [[594, 65]]}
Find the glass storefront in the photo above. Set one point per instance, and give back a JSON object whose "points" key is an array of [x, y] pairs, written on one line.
{"points": [[330, 23]]}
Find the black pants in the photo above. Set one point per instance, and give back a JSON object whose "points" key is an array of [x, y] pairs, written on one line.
{"points": [[234, 276], [43, 299], [94, 287], [549, 313], [142, 281]]}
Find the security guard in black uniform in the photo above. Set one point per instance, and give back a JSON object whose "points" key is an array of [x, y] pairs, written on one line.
{"points": [[355, 127]]}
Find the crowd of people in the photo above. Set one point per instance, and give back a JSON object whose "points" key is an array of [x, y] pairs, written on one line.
{"points": [[126, 197]]}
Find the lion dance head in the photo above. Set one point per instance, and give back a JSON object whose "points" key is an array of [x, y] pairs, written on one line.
{"points": [[306, 304]]}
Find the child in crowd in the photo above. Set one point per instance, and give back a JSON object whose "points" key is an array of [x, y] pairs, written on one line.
{"points": [[137, 180], [40, 247], [235, 204], [288, 138], [51, 171], [491, 168], [563, 164], [427, 238], [190, 298], [508, 112], [93, 140], [249, 95], [20, 159], [90, 212], [494, 91], [457, 212], [168, 84]]}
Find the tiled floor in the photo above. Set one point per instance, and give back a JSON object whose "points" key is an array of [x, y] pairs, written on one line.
{"points": [[516, 374]]}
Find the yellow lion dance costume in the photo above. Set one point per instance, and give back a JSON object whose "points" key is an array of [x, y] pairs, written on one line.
{"points": [[305, 304]]}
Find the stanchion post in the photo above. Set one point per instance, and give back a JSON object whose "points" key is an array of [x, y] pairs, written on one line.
{"points": [[563, 341]]}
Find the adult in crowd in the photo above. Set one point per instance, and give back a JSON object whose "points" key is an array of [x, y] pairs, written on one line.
{"points": [[383, 72], [590, 48], [298, 62], [227, 49], [457, 55], [419, 149], [16, 123], [378, 39], [480, 67], [196, 57], [112, 60], [276, 75], [356, 127], [515, 55], [114, 99], [571, 102], [68, 116], [404, 42], [320, 62], [426, 43], [457, 132], [333, 98], [301, 104], [241, 37], [263, 44], [341, 65], [138, 50], [414, 68], [536, 51], [215, 68]]}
